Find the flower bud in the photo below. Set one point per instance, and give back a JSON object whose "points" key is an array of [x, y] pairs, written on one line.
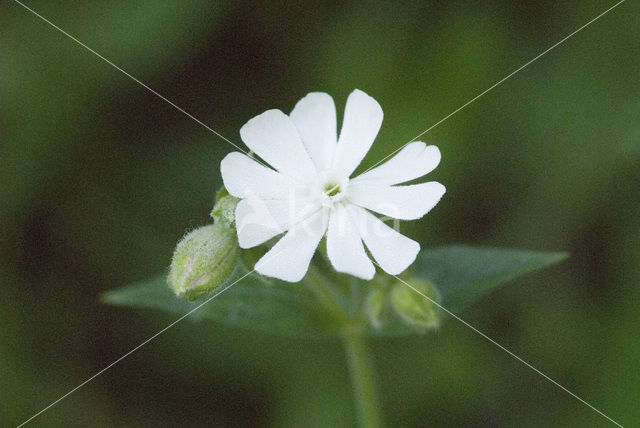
{"points": [[414, 309], [374, 306], [204, 260]]}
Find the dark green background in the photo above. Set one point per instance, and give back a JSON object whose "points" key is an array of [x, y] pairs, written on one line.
{"points": [[99, 179]]}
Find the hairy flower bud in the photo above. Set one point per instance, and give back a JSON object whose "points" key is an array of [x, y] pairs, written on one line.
{"points": [[203, 260], [413, 308]]}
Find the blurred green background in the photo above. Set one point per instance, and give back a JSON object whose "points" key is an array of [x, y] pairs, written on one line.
{"points": [[99, 179]]}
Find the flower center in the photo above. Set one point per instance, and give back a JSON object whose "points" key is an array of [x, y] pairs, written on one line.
{"points": [[332, 188]]}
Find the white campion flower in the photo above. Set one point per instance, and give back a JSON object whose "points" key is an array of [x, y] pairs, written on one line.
{"points": [[309, 191]]}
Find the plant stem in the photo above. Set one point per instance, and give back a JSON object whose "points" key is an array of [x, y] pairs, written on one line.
{"points": [[326, 295], [363, 380], [359, 361]]}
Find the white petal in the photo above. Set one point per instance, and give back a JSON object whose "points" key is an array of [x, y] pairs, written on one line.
{"points": [[362, 120], [344, 245], [413, 161], [401, 202], [315, 118], [243, 178], [259, 220], [289, 258], [273, 136], [391, 250]]}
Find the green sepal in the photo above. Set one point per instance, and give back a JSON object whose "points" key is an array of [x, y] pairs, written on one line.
{"points": [[224, 209]]}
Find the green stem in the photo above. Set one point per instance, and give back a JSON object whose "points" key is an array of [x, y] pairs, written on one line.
{"points": [[361, 368], [363, 380], [327, 295]]}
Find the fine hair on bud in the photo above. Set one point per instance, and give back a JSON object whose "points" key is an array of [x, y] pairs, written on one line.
{"points": [[203, 260]]}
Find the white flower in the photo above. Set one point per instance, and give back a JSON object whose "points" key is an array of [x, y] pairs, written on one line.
{"points": [[309, 191]]}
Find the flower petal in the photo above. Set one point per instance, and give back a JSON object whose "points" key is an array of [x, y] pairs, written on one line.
{"points": [[289, 259], [273, 136], [413, 161], [243, 178], [362, 120], [315, 118], [344, 245], [401, 202], [393, 251], [259, 220]]}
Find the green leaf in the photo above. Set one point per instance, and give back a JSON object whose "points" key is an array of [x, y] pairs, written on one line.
{"points": [[463, 274], [460, 274], [251, 303], [152, 293]]}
